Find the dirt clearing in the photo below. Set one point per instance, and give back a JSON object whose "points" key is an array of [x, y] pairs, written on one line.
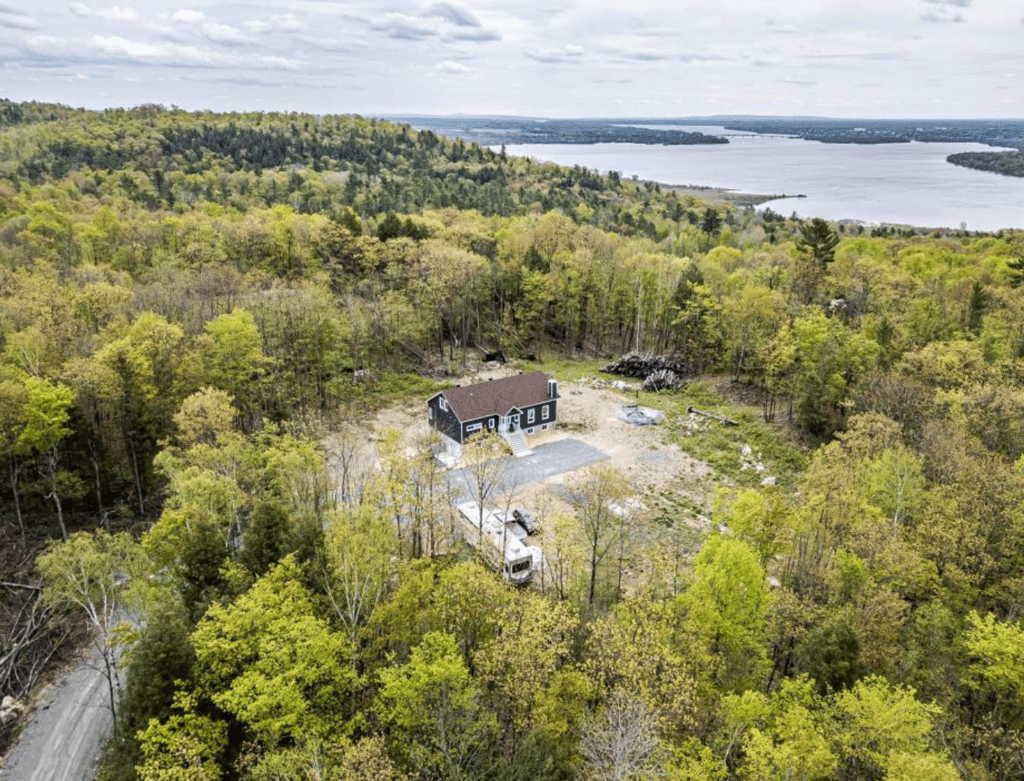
{"points": [[667, 480]]}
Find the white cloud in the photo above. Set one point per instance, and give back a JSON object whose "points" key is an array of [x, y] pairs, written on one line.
{"points": [[42, 41], [867, 57], [116, 49], [474, 34], [222, 33], [115, 44], [17, 21], [112, 13], [405, 27], [941, 16], [564, 54], [779, 28], [453, 14], [118, 14], [943, 10], [188, 16], [452, 67], [212, 31], [275, 23], [339, 45]]}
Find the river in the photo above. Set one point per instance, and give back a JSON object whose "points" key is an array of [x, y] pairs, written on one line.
{"points": [[910, 184]]}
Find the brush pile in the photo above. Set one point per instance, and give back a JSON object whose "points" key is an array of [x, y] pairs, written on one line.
{"points": [[659, 372], [662, 379]]}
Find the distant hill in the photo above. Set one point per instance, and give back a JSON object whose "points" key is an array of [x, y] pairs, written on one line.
{"points": [[490, 130]]}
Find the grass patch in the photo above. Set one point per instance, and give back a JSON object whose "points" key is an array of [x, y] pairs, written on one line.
{"points": [[719, 445], [566, 370], [388, 388], [670, 507]]}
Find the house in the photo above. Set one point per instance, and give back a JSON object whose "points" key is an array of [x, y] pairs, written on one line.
{"points": [[512, 407]]}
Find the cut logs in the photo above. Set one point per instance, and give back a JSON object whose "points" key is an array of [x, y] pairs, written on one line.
{"points": [[712, 415], [659, 372], [642, 365], [662, 379]]}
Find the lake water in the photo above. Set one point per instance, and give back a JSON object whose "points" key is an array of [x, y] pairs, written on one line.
{"points": [[908, 184]]}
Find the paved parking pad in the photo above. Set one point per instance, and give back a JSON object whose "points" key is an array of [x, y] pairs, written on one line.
{"points": [[547, 460]]}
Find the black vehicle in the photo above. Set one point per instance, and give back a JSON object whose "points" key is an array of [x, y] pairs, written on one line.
{"points": [[524, 519]]}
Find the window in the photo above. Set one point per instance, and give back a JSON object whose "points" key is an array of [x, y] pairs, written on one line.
{"points": [[443, 403], [490, 423], [545, 412], [474, 427], [529, 415]]}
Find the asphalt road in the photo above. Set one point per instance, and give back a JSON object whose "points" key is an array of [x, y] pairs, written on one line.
{"points": [[548, 460], [63, 739]]}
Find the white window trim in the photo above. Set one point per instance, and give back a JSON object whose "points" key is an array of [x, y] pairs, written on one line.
{"points": [[545, 412], [443, 404], [530, 415], [474, 427]]}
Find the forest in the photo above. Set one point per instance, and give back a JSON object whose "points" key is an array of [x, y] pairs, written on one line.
{"points": [[493, 131], [1005, 163], [192, 304]]}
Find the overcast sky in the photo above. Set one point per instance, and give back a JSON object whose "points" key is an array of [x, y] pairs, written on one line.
{"points": [[568, 58]]}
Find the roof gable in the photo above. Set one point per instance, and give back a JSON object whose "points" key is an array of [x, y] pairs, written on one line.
{"points": [[497, 397]]}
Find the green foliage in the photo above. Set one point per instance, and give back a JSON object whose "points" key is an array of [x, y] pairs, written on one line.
{"points": [[719, 445], [273, 664], [160, 657], [726, 607], [997, 652], [88, 572], [185, 747], [191, 303], [431, 708], [818, 240], [1009, 163], [830, 656]]}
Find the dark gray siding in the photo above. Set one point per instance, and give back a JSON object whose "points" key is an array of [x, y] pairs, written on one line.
{"points": [[492, 419], [538, 415], [444, 420]]}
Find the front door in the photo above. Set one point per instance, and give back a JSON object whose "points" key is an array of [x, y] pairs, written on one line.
{"points": [[509, 423]]}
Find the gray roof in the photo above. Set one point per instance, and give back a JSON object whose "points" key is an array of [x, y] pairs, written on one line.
{"points": [[497, 397]]}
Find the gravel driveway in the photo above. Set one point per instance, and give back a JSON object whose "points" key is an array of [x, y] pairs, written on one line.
{"points": [[547, 460], [63, 739]]}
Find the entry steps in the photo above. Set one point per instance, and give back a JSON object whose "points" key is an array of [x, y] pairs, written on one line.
{"points": [[517, 441]]}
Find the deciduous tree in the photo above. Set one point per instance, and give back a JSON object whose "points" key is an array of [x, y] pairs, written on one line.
{"points": [[592, 491], [432, 710], [271, 662], [89, 572]]}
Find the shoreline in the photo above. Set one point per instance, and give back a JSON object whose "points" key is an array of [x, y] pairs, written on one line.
{"points": [[722, 195]]}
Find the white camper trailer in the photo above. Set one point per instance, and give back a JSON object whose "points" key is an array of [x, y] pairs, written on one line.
{"points": [[500, 548]]}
